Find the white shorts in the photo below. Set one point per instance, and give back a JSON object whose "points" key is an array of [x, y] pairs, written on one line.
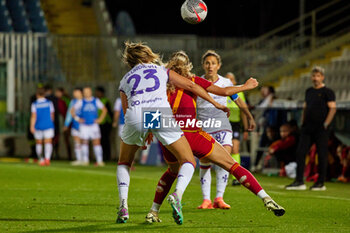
{"points": [[133, 135], [120, 129], [75, 133], [223, 137], [89, 132], [44, 134]]}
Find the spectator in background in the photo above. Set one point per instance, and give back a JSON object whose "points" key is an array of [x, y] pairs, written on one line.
{"points": [[319, 111], [118, 120], [106, 124], [284, 149], [236, 118], [264, 120], [64, 95], [62, 105], [42, 126], [343, 152], [49, 95], [69, 121]]}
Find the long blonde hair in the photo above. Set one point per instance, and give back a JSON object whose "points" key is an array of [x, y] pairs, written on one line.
{"points": [[138, 53], [181, 64]]}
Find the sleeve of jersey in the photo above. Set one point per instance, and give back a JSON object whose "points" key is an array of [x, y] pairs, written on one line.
{"points": [[330, 95], [77, 105], [52, 109], [69, 117], [202, 82], [117, 105], [33, 109], [234, 97], [99, 103]]}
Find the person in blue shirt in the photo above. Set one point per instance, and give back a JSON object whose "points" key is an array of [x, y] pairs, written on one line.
{"points": [[88, 128], [70, 122], [42, 126]]}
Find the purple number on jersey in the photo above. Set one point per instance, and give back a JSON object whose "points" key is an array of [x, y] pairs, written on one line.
{"points": [[149, 74], [136, 84]]}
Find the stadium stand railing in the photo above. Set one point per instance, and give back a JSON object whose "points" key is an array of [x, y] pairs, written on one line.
{"points": [[287, 43]]}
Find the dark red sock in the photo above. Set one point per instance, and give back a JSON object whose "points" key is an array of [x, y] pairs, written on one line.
{"points": [[345, 168], [163, 186], [245, 178]]}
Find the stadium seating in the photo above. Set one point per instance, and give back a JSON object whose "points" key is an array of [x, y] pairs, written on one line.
{"points": [[21, 16], [18, 14], [70, 17], [36, 16], [5, 19], [337, 78]]}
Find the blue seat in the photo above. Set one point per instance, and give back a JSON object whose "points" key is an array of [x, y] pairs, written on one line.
{"points": [[5, 20], [35, 16], [18, 15]]}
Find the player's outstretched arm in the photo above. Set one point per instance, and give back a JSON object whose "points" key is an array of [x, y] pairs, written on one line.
{"points": [[184, 83], [244, 108], [228, 91]]}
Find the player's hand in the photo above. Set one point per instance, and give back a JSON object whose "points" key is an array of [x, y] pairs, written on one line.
{"points": [[251, 124], [114, 124], [271, 151], [65, 128], [98, 121], [32, 130], [81, 120], [223, 108], [251, 83]]}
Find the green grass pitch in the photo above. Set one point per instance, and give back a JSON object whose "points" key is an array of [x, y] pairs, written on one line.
{"points": [[61, 198]]}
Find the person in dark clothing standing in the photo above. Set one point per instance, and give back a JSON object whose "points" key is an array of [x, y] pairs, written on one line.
{"points": [[319, 111], [50, 96], [106, 124]]}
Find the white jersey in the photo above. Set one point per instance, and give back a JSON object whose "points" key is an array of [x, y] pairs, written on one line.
{"points": [[145, 87], [206, 110]]}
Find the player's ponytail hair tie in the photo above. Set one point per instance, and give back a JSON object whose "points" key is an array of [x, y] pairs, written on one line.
{"points": [[138, 53]]}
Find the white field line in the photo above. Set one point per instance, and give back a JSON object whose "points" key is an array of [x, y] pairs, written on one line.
{"points": [[320, 197], [103, 173]]}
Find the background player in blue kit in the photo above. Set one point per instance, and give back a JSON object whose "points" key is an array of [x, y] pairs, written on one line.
{"points": [[42, 126], [77, 95], [89, 120]]}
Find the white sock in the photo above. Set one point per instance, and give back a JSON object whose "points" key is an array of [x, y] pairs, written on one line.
{"points": [[85, 152], [48, 150], [39, 150], [205, 179], [221, 181], [77, 150], [98, 153], [183, 179], [155, 207], [123, 179], [262, 194]]}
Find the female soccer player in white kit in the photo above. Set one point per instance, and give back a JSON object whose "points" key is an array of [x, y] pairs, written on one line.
{"points": [[144, 88], [211, 62]]}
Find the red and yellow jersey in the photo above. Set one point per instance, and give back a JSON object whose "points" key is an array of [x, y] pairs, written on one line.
{"points": [[183, 104]]}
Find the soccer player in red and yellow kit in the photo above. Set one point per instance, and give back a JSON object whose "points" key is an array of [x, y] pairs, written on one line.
{"points": [[202, 144]]}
